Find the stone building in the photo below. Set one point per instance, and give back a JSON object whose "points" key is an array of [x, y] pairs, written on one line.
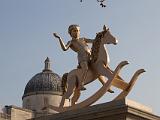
{"points": [[44, 88]]}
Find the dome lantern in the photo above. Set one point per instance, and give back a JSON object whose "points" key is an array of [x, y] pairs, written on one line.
{"points": [[47, 65]]}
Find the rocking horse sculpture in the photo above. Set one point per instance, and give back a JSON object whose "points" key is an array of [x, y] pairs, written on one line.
{"points": [[97, 69]]}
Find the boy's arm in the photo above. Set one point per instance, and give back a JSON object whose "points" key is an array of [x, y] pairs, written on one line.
{"points": [[87, 40], [63, 46]]}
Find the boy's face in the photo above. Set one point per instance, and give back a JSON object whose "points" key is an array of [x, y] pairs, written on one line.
{"points": [[75, 33]]}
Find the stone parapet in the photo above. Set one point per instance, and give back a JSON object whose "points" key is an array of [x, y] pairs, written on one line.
{"points": [[4, 116], [18, 113]]}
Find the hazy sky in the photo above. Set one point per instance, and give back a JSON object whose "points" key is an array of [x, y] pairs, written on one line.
{"points": [[26, 40]]}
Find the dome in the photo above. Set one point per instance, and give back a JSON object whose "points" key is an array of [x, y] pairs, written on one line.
{"points": [[46, 82]]}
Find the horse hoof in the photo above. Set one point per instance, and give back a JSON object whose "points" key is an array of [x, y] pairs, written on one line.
{"points": [[83, 88], [111, 91]]}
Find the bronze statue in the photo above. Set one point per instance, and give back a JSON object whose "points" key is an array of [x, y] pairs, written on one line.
{"points": [[80, 46], [96, 62]]}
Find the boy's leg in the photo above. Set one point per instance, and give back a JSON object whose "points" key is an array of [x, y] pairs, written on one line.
{"points": [[84, 66]]}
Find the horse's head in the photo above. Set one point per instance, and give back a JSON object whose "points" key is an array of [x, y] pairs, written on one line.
{"points": [[107, 37], [98, 49]]}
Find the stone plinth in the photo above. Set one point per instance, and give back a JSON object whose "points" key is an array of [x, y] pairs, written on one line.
{"points": [[116, 110]]}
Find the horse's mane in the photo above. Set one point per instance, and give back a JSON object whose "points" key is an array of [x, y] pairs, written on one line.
{"points": [[96, 46]]}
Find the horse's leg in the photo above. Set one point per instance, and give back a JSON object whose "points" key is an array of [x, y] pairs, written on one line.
{"points": [[76, 96], [62, 100], [113, 71], [71, 81], [103, 71], [102, 79]]}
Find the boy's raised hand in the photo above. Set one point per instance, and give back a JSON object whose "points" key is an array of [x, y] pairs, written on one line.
{"points": [[56, 36]]}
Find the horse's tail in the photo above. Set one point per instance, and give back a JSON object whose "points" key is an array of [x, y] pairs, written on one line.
{"points": [[64, 82]]}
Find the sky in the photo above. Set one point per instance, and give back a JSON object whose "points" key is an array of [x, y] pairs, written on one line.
{"points": [[26, 40]]}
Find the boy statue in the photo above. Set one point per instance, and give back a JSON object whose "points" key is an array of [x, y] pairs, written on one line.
{"points": [[80, 46]]}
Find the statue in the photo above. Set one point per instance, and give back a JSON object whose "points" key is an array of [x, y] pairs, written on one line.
{"points": [[80, 46], [94, 64]]}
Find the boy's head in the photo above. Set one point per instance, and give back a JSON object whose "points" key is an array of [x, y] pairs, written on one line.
{"points": [[74, 31]]}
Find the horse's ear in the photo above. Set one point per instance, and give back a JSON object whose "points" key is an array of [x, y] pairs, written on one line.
{"points": [[104, 28]]}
